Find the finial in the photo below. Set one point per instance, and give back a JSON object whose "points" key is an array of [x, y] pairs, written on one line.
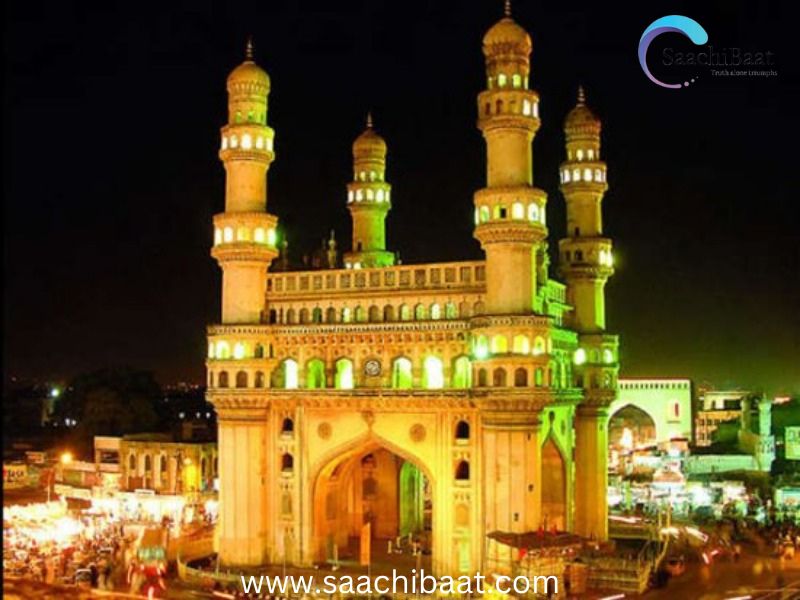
{"points": [[248, 51], [507, 8], [369, 120], [581, 95]]}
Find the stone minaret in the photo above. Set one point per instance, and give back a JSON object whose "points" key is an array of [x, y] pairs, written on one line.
{"points": [[586, 264], [244, 235], [369, 201]]}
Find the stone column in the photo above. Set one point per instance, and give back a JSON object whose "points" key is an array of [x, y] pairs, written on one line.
{"points": [[591, 471]]}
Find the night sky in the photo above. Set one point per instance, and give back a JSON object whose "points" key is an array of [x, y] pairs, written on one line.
{"points": [[112, 116]]}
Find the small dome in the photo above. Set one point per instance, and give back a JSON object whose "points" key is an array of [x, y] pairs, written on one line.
{"points": [[506, 37], [369, 142], [581, 118], [248, 72]]}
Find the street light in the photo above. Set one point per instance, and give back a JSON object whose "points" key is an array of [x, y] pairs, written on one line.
{"points": [[66, 458]]}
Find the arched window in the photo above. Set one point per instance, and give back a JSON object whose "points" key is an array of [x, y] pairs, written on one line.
{"points": [[533, 212], [388, 313], [502, 80], [484, 214], [538, 346], [360, 314], [315, 374], [405, 312], [401, 373], [450, 311], [132, 463], [287, 426], [239, 350], [462, 471], [163, 461], [433, 373], [344, 374], [521, 344], [304, 315], [290, 377], [436, 311], [516, 80], [330, 315], [482, 378], [517, 211], [465, 309], [420, 312], [521, 377], [290, 317], [287, 463], [316, 315], [223, 350], [259, 379], [481, 348], [499, 344], [538, 378], [223, 379], [374, 314], [258, 352], [478, 308], [499, 377], [462, 430], [462, 372], [148, 462], [241, 379], [273, 316], [346, 315]]}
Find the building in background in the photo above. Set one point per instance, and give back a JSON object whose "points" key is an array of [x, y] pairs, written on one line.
{"points": [[155, 462], [651, 412], [715, 407]]}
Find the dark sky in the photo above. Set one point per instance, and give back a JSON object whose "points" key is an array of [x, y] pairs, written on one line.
{"points": [[112, 116]]}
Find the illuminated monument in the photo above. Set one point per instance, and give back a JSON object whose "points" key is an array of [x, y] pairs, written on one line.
{"points": [[445, 400]]}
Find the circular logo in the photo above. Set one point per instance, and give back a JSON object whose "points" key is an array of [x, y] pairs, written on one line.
{"points": [[372, 368], [669, 24]]}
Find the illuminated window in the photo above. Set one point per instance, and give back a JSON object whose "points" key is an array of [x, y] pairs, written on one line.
{"points": [[541, 215], [379, 195], [269, 144], [516, 80], [436, 311], [258, 235], [234, 141], [521, 344], [518, 211], [499, 344], [462, 373], [535, 109], [350, 196], [405, 312], [433, 373], [420, 312], [370, 195], [533, 212], [372, 175], [242, 234], [315, 374], [224, 142], [362, 176], [538, 377], [526, 107], [217, 236], [211, 350], [484, 214], [387, 195], [247, 141], [239, 350], [359, 195], [608, 356], [566, 176], [227, 234], [260, 142], [346, 315], [502, 80], [587, 174], [450, 310], [290, 374], [597, 175], [481, 349], [576, 175], [344, 374], [579, 154], [401, 373], [580, 356], [590, 153], [271, 236], [538, 346], [223, 350]]}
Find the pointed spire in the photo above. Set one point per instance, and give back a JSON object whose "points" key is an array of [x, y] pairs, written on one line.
{"points": [[507, 8], [581, 95], [369, 120], [248, 51]]}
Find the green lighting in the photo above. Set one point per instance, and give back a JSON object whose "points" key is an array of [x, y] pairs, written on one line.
{"points": [[481, 350], [401, 374], [55, 392], [580, 356], [315, 374], [272, 237], [608, 356]]}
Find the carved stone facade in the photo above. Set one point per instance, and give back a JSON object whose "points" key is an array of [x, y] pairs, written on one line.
{"points": [[444, 401]]}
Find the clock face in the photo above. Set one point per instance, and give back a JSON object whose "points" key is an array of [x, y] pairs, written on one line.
{"points": [[372, 368]]}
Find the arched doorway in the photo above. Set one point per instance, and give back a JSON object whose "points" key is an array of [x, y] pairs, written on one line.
{"points": [[630, 428], [374, 486], [554, 487]]}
